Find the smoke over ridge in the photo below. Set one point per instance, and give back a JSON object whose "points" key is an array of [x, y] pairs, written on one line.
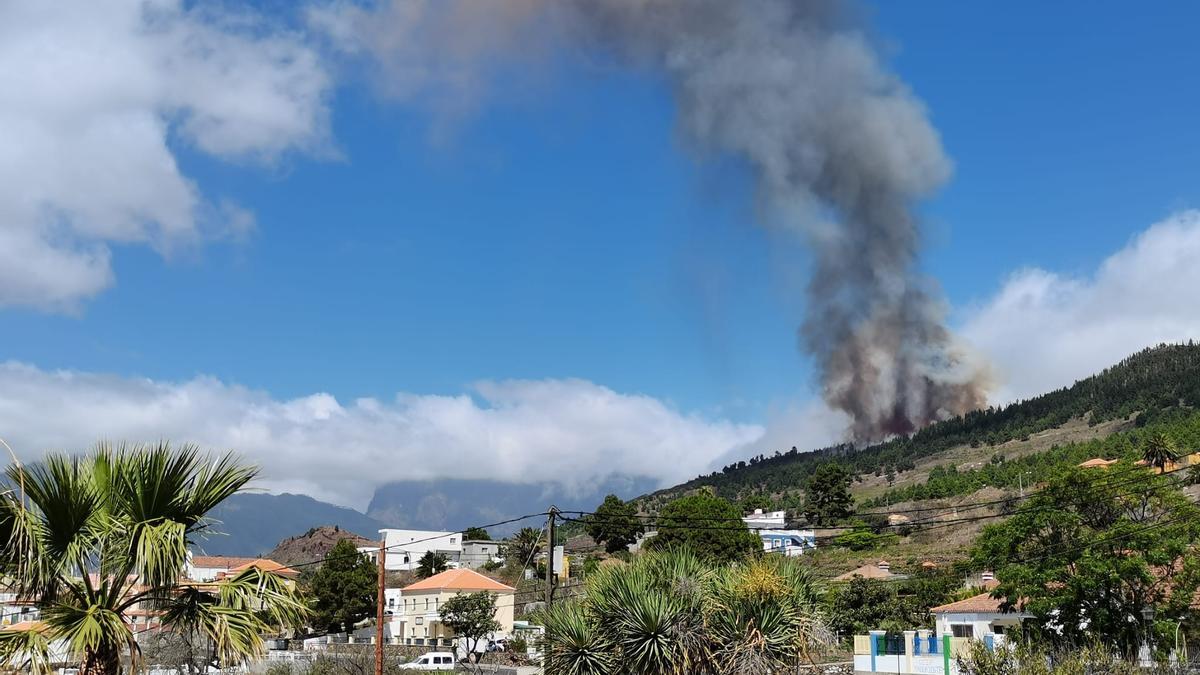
{"points": [[840, 147]]}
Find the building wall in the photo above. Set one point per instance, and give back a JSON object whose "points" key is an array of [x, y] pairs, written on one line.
{"points": [[418, 612], [760, 519], [788, 542], [982, 623], [405, 547], [476, 554], [204, 573]]}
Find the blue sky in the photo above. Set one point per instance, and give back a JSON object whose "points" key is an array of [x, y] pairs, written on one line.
{"points": [[561, 230]]}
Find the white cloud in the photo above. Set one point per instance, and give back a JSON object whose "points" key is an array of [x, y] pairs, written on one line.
{"points": [[92, 94], [572, 431], [1045, 330]]}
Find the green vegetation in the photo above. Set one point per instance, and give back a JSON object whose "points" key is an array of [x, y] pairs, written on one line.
{"points": [[1150, 381], [342, 590], [476, 534], [827, 495], [707, 525], [432, 563], [615, 524], [1173, 426], [1094, 548], [869, 604], [1159, 451], [674, 613], [472, 617], [92, 537], [1027, 659], [520, 548]]}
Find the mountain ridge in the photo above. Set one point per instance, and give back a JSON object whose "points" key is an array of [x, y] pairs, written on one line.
{"points": [[1146, 382]]}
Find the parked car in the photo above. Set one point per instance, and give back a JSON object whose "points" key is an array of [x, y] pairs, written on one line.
{"points": [[431, 661]]}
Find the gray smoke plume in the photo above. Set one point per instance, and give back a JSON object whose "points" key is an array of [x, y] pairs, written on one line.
{"points": [[840, 147]]}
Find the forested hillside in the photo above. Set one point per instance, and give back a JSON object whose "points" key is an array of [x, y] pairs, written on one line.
{"points": [[1148, 382]]}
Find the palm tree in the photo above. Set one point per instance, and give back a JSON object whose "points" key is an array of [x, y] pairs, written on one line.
{"points": [[521, 547], [432, 563], [671, 613], [93, 538], [1159, 451]]}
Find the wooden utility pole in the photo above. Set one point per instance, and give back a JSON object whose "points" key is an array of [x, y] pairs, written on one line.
{"points": [[550, 556], [379, 609]]}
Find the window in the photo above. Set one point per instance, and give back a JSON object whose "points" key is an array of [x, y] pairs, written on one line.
{"points": [[962, 630], [998, 630]]}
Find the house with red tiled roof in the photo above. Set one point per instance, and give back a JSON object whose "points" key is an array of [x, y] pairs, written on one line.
{"points": [[416, 619], [977, 617], [265, 565], [209, 567], [1098, 463]]}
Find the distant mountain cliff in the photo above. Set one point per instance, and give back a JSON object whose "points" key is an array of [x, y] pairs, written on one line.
{"points": [[252, 524], [452, 504]]}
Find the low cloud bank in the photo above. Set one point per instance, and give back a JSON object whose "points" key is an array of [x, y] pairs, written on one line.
{"points": [[568, 431]]}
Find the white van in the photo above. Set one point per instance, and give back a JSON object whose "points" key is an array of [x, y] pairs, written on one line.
{"points": [[431, 661]]}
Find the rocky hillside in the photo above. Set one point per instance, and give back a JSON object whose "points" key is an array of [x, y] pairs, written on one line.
{"points": [[314, 544]]}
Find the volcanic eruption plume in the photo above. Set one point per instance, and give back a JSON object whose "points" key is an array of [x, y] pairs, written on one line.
{"points": [[840, 148]]}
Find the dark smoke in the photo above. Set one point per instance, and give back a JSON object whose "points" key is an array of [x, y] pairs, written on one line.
{"points": [[841, 149]]}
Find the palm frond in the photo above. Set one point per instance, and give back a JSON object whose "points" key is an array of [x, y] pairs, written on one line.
{"points": [[90, 629], [575, 645], [26, 650]]}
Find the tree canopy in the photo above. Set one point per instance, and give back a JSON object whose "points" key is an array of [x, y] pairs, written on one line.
{"points": [[343, 589], [93, 538], [432, 563], [476, 534], [1159, 451], [706, 524], [614, 524], [520, 548], [1123, 530], [472, 617], [827, 495]]}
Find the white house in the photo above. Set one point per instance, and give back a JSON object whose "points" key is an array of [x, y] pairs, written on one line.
{"points": [[209, 567], [417, 619], [769, 520], [769, 526], [14, 609], [978, 617], [478, 552], [405, 547], [788, 542]]}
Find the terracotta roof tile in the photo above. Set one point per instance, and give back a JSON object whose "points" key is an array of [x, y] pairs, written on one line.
{"points": [[984, 602], [226, 561], [266, 565], [458, 580]]}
